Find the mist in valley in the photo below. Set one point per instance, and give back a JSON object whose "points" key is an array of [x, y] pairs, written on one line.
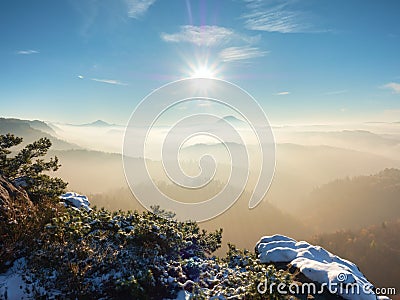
{"points": [[315, 189], [308, 157]]}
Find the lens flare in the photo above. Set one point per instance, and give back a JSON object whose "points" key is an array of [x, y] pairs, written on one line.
{"points": [[203, 72]]}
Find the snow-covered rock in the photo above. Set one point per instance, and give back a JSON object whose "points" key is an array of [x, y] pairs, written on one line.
{"points": [[76, 200], [317, 264]]}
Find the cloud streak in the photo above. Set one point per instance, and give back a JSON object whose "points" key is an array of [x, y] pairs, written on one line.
{"points": [[230, 46], [339, 92], [240, 53], [282, 93], [27, 52], [138, 8], [109, 81], [275, 17], [207, 36], [395, 87]]}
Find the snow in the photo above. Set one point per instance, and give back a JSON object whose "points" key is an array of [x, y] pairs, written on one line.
{"points": [[316, 263], [183, 295], [12, 284], [275, 238], [278, 254], [76, 200], [17, 283]]}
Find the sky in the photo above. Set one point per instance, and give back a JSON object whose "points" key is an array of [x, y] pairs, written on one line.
{"points": [[314, 61]]}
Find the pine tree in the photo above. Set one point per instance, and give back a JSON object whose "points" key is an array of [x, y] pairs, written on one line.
{"points": [[27, 167]]}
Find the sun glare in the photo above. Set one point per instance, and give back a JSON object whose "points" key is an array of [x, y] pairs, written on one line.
{"points": [[203, 72]]}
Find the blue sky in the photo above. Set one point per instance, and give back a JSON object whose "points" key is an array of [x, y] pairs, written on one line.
{"points": [[308, 61]]}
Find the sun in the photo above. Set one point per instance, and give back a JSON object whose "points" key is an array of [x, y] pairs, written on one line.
{"points": [[203, 72]]}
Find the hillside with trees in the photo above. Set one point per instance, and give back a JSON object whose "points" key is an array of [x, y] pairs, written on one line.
{"points": [[353, 203], [375, 249]]}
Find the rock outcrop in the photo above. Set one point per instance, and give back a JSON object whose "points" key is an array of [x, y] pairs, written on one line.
{"points": [[16, 210], [329, 274], [9, 196]]}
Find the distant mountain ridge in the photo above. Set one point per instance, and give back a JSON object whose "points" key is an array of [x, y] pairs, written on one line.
{"points": [[42, 126], [97, 123], [233, 119], [31, 131], [35, 124]]}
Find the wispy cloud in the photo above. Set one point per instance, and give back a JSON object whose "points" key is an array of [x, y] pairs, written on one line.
{"points": [[275, 16], [240, 53], [207, 36], [109, 81], [80, 77], [229, 45], [27, 52], [395, 87], [137, 8], [331, 93], [282, 93]]}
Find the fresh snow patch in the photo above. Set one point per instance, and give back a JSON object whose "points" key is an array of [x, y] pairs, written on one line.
{"points": [[316, 263], [18, 283], [183, 295], [12, 285], [76, 200]]}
